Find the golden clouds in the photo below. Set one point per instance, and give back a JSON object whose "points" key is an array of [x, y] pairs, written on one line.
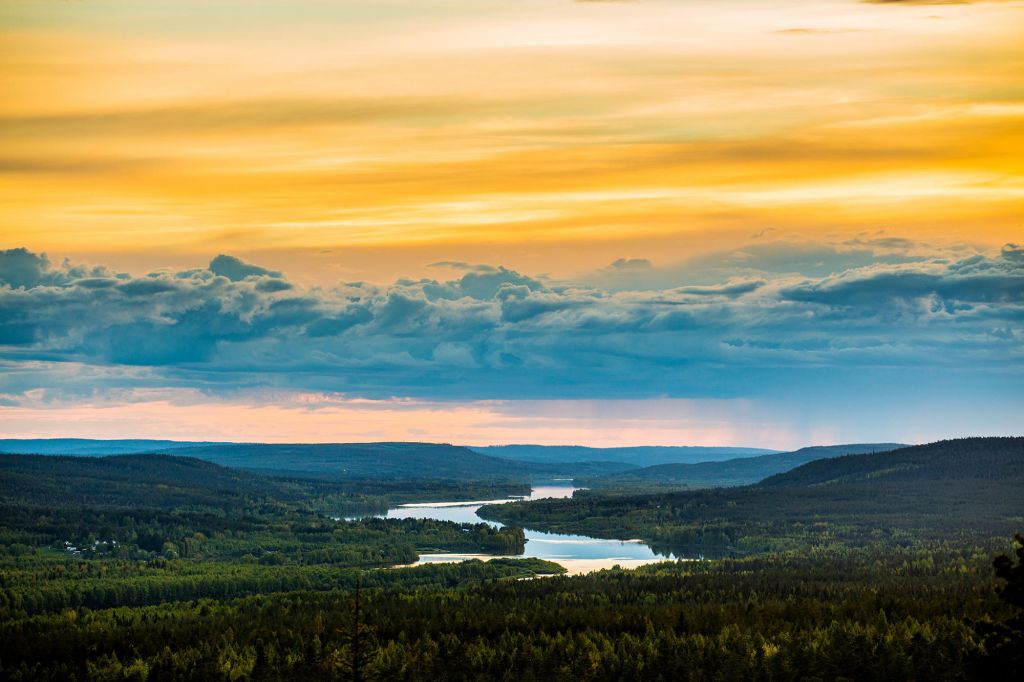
{"points": [[311, 125]]}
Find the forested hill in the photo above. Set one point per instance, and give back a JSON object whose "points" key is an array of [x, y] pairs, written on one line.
{"points": [[731, 472], [640, 456], [948, 460], [175, 482], [385, 460], [968, 488], [159, 481]]}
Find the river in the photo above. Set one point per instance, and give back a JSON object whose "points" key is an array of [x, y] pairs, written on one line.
{"points": [[577, 553]]}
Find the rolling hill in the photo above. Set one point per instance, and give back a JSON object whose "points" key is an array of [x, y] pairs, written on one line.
{"points": [[965, 459], [386, 460], [161, 481], [640, 456], [732, 472], [173, 481], [968, 488], [345, 460]]}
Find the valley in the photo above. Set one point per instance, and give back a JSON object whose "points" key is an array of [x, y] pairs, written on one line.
{"points": [[883, 551]]}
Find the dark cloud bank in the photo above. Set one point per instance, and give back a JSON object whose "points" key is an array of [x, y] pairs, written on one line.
{"points": [[495, 333]]}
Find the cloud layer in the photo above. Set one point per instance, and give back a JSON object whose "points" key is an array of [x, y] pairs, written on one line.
{"points": [[494, 333]]}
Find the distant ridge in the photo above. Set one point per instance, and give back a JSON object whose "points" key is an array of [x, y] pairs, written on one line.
{"points": [[347, 460], [390, 459], [386, 460], [89, 447], [640, 455], [738, 471]]}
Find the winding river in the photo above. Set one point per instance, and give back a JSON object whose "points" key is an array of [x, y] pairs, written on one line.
{"points": [[577, 553]]}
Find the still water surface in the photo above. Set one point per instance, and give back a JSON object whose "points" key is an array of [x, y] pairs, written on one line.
{"points": [[577, 553]]}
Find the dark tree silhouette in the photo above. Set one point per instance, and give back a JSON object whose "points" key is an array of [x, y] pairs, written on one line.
{"points": [[355, 658], [1003, 642], [1013, 591]]}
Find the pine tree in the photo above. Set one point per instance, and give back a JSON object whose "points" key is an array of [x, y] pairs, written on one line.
{"points": [[359, 648]]}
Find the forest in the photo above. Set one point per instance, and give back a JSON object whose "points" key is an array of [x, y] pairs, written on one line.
{"points": [[888, 566], [964, 490]]}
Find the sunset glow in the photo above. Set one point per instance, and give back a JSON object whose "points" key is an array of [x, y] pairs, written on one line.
{"points": [[595, 162]]}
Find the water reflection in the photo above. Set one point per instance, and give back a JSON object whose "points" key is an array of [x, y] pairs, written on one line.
{"points": [[577, 553]]}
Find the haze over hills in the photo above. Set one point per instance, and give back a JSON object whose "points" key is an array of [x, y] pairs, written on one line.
{"points": [[686, 466], [738, 471], [386, 460], [356, 460], [91, 447], [641, 455], [634, 456]]}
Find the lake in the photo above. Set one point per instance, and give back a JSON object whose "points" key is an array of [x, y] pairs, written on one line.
{"points": [[577, 553]]}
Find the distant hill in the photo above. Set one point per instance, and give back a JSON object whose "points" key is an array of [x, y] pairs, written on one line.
{"points": [[347, 460], [638, 456], [386, 460], [947, 461], [953, 489], [89, 447], [739, 471]]}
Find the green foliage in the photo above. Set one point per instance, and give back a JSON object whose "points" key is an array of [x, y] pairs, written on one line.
{"points": [[186, 571], [859, 614], [967, 489], [139, 530], [219, 556], [1002, 652], [949, 461], [164, 481]]}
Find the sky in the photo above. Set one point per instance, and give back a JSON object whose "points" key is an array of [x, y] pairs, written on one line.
{"points": [[768, 223]]}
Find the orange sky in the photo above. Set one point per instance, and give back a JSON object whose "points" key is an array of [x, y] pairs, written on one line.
{"points": [[391, 132], [289, 417]]}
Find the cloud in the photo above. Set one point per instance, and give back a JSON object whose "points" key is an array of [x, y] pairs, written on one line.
{"points": [[249, 113], [757, 261], [494, 333], [630, 264], [964, 283], [884, 242], [485, 285], [139, 287], [272, 285], [20, 268], [731, 289], [462, 265], [785, 257], [1013, 253], [235, 270]]}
